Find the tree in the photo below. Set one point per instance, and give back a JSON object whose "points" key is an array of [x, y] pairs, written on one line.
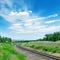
{"points": [[52, 37], [5, 39]]}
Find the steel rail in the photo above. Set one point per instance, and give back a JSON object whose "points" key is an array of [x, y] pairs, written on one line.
{"points": [[39, 53]]}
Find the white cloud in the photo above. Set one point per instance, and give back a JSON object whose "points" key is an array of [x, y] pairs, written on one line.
{"points": [[15, 26], [50, 29], [54, 15], [25, 16], [8, 2], [52, 21], [3, 8], [31, 23], [53, 28], [14, 16], [11, 6], [28, 24], [26, 21], [19, 13]]}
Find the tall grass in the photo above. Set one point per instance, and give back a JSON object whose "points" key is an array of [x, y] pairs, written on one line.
{"points": [[45, 46], [7, 52]]}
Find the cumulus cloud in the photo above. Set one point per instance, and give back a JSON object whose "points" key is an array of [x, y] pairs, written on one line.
{"points": [[24, 22], [14, 16], [33, 28], [11, 5], [27, 22]]}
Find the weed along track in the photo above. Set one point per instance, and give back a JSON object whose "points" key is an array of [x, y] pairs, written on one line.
{"points": [[34, 55], [7, 52]]}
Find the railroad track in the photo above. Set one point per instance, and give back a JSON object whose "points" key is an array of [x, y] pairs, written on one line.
{"points": [[39, 53]]}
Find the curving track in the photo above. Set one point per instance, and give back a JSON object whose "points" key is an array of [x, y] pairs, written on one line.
{"points": [[34, 55]]}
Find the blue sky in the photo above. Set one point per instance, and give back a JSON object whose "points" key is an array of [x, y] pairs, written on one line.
{"points": [[29, 19]]}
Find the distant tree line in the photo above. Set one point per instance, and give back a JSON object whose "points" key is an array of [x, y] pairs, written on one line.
{"points": [[48, 37], [51, 37], [5, 39], [25, 41]]}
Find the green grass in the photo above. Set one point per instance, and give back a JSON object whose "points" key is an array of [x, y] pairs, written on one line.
{"points": [[53, 47], [7, 52]]}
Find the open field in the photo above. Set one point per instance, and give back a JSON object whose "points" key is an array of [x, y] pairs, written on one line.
{"points": [[45, 46], [7, 52]]}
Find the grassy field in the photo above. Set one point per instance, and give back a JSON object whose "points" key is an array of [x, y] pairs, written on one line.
{"points": [[7, 52], [45, 46]]}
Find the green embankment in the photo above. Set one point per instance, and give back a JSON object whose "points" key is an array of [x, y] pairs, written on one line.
{"points": [[7, 52], [53, 47]]}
